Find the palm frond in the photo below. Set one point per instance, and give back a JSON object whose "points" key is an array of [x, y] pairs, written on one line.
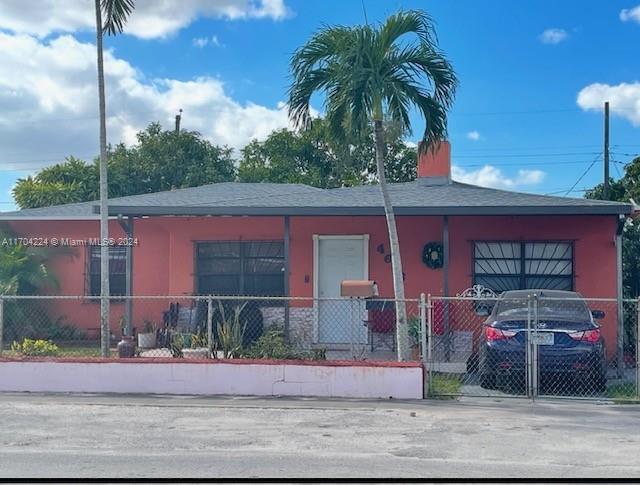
{"points": [[366, 71], [407, 22], [116, 13]]}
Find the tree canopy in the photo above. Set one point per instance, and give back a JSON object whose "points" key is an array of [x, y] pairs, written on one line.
{"points": [[622, 190], [315, 157], [160, 160]]}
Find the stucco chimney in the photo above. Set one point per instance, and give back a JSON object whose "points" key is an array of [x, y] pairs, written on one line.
{"points": [[436, 165]]}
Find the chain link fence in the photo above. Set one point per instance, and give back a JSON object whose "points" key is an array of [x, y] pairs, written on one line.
{"points": [[533, 346], [202, 327]]}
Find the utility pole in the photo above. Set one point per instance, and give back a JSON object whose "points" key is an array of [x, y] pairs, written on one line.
{"points": [[178, 118], [606, 151]]}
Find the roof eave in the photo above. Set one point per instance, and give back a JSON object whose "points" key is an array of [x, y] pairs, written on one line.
{"points": [[139, 211]]}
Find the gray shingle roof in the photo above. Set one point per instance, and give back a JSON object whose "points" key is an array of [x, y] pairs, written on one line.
{"points": [[411, 198]]}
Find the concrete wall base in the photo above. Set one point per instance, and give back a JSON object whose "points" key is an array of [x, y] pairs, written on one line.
{"points": [[214, 378]]}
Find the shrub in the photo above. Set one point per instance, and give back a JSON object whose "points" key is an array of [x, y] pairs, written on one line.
{"points": [[230, 331], [272, 345], [32, 347], [29, 319]]}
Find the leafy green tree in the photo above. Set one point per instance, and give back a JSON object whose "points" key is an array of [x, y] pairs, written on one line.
{"points": [[161, 160], [25, 270], [622, 190], [164, 159], [374, 75], [314, 157], [71, 181]]}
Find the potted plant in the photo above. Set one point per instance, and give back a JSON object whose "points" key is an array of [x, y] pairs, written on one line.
{"points": [[147, 338]]}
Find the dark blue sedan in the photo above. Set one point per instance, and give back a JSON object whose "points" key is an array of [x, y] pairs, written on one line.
{"points": [[570, 346]]}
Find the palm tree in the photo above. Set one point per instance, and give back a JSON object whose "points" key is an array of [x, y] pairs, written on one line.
{"points": [[376, 74], [115, 16]]}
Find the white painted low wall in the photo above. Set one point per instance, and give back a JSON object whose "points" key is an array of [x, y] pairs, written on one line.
{"points": [[273, 379]]}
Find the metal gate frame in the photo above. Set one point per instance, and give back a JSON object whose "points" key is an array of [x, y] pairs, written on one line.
{"points": [[532, 362]]}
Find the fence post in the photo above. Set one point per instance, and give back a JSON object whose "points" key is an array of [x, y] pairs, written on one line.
{"points": [[638, 348], [429, 345], [1, 325], [534, 351], [528, 349], [423, 338], [210, 325]]}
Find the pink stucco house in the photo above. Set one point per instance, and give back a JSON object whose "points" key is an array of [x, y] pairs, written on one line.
{"points": [[277, 239]]}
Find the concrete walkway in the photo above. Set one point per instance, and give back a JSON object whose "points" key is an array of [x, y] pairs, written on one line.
{"points": [[173, 437]]}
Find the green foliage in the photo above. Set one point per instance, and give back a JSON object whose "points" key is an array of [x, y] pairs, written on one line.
{"points": [[116, 13], [373, 72], [315, 157], [177, 345], [160, 160], [199, 340], [230, 334], [272, 345], [415, 330], [30, 347], [622, 190], [25, 270]]}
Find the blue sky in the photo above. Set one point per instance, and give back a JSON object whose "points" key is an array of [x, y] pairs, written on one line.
{"points": [[527, 115]]}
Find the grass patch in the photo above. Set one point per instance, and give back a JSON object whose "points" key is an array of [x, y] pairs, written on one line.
{"points": [[623, 393], [445, 386]]}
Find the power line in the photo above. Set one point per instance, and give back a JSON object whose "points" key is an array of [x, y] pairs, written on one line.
{"points": [[525, 164], [583, 174], [530, 155]]}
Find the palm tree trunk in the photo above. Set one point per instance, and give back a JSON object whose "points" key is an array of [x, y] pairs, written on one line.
{"points": [[105, 333], [402, 329]]}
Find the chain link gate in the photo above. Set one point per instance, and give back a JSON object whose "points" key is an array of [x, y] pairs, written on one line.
{"points": [[532, 346]]}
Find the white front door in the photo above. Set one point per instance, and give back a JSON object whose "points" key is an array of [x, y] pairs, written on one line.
{"points": [[340, 258]]}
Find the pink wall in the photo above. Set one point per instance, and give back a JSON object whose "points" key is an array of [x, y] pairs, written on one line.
{"points": [[164, 258]]}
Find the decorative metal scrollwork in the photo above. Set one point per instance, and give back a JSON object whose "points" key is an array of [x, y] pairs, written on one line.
{"points": [[478, 292]]}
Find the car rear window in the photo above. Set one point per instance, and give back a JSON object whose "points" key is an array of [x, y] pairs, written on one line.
{"points": [[573, 309]]}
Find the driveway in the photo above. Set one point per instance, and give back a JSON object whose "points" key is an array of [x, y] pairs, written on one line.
{"points": [[171, 437]]}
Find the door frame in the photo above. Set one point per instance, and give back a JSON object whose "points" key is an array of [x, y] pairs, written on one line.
{"points": [[316, 264]]}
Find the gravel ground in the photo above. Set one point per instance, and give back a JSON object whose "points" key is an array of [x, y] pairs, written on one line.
{"points": [[171, 437]]}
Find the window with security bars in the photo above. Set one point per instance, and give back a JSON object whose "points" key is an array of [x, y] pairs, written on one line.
{"points": [[117, 271], [518, 265], [247, 268]]}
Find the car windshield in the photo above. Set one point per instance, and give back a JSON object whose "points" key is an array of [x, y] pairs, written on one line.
{"points": [[568, 308]]}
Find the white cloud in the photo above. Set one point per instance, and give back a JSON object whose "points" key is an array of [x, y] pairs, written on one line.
{"points": [[473, 135], [48, 95], [630, 14], [202, 42], [150, 19], [490, 176], [624, 99], [553, 36]]}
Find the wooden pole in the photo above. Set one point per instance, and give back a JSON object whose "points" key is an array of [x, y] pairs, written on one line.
{"points": [[606, 151]]}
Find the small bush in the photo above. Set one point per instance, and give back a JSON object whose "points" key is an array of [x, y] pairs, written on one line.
{"points": [[272, 345], [32, 347]]}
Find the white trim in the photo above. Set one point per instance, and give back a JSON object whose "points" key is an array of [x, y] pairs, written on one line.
{"points": [[316, 256]]}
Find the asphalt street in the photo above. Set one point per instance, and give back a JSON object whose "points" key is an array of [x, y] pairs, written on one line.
{"points": [[76, 436]]}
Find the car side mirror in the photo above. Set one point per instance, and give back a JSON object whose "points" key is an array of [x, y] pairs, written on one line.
{"points": [[597, 314]]}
